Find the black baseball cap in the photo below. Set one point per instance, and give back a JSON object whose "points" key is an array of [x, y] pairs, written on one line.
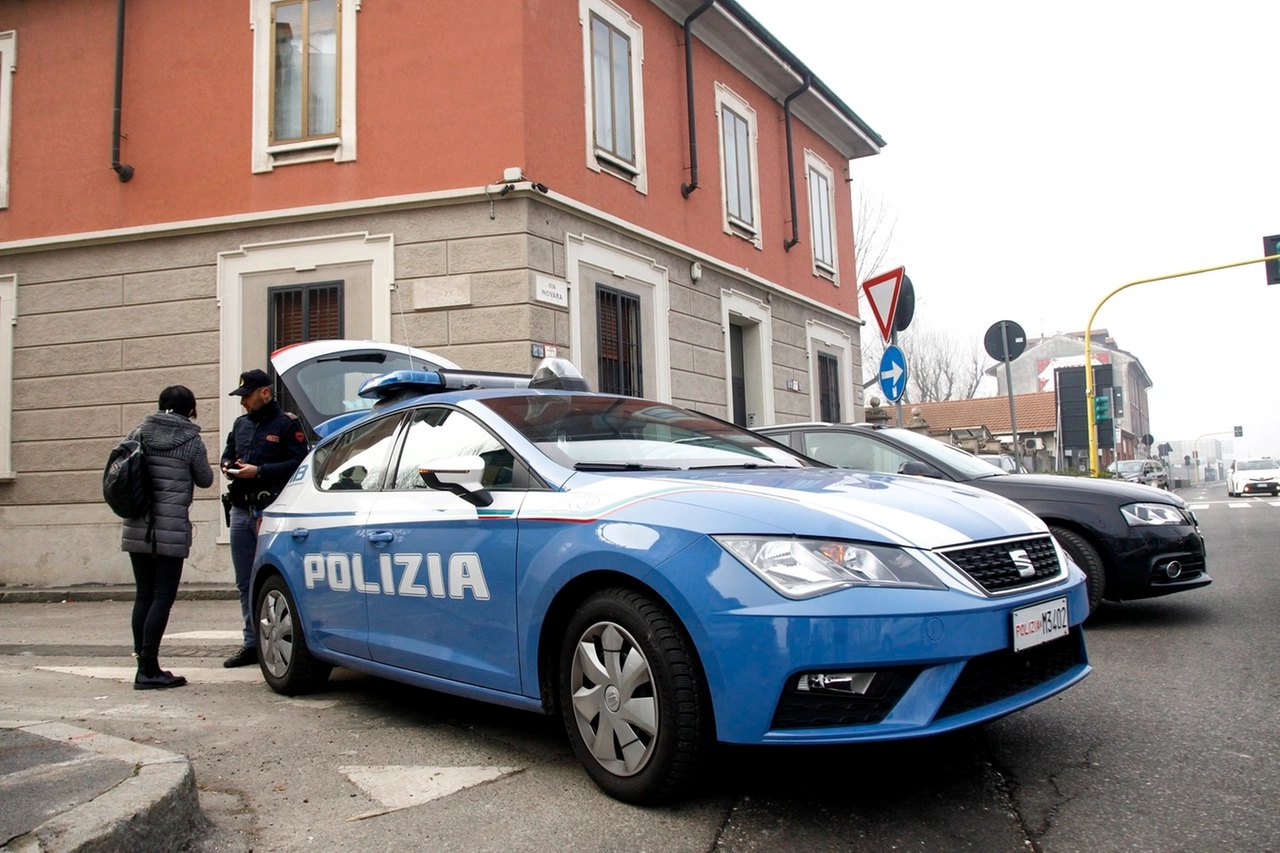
{"points": [[250, 381]]}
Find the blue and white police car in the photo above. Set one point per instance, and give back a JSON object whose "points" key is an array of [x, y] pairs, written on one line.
{"points": [[661, 579]]}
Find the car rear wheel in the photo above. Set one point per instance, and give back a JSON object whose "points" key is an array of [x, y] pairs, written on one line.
{"points": [[1087, 558], [287, 663], [633, 698]]}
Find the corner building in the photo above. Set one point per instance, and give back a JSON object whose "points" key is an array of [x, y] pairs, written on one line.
{"points": [[489, 181]]}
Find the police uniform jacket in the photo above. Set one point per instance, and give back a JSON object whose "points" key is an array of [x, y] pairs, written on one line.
{"points": [[273, 440], [178, 462]]}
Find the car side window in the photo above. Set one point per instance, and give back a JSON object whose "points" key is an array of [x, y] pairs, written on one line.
{"points": [[438, 432], [358, 460], [850, 450]]}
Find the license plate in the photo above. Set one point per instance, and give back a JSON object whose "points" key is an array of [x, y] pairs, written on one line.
{"points": [[1039, 623]]}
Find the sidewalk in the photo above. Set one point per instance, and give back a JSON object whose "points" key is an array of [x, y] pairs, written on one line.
{"points": [[66, 788]]}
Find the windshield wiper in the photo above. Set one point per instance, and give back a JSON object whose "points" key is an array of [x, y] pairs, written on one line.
{"points": [[622, 466]]}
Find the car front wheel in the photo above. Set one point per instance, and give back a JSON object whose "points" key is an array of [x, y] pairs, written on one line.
{"points": [[287, 663], [1087, 558], [633, 698]]}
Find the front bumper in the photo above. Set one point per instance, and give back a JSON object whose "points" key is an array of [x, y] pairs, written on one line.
{"points": [[943, 660], [1159, 561], [1270, 487]]}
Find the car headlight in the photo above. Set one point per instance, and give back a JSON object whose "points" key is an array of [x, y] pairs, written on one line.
{"points": [[1139, 514], [804, 568]]}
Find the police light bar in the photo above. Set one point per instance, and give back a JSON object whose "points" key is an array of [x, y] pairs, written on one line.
{"points": [[552, 373]]}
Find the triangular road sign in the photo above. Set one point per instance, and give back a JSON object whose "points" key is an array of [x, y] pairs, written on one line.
{"points": [[882, 293]]}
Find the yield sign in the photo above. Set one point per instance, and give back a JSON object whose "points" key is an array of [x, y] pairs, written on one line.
{"points": [[882, 292]]}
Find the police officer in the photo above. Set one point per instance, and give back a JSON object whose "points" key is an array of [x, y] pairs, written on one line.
{"points": [[263, 450]]}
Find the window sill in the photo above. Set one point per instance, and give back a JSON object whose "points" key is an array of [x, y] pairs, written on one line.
{"points": [[821, 270], [617, 167], [310, 151], [741, 230]]}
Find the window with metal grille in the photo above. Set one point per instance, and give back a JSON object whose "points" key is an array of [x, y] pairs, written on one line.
{"points": [[308, 312], [618, 325], [829, 388]]}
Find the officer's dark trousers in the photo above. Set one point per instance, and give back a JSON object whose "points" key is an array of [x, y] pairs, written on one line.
{"points": [[244, 541]]}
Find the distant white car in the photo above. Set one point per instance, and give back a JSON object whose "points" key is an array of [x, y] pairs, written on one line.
{"points": [[1253, 477], [1004, 462]]}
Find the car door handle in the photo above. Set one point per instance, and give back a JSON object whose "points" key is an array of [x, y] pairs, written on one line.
{"points": [[381, 536], [300, 533]]}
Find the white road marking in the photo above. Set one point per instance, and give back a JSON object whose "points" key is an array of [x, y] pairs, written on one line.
{"points": [[1238, 505], [398, 787], [1198, 506], [232, 636], [194, 674]]}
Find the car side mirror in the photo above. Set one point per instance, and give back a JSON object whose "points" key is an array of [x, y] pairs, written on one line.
{"points": [[919, 469], [460, 475]]}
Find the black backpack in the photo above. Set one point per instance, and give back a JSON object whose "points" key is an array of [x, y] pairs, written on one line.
{"points": [[126, 482]]}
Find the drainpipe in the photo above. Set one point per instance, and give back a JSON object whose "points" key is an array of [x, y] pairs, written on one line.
{"points": [[124, 171], [687, 189], [791, 160]]}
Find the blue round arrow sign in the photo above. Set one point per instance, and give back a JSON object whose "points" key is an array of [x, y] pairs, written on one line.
{"points": [[893, 373]]}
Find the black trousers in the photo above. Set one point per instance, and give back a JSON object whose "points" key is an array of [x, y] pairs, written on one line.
{"points": [[156, 578]]}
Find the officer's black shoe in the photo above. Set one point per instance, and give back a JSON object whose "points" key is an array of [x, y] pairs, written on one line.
{"points": [[245, 657], [159, 681]]}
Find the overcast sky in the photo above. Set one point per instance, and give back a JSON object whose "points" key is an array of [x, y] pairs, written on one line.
{"points": [[1041, 155]]}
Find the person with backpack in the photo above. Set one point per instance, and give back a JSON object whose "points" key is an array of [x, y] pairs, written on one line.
{"points": [[264, 448], [159, 539]]}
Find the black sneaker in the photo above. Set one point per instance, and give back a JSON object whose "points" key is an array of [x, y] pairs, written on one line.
{"points": [[246, 656]]}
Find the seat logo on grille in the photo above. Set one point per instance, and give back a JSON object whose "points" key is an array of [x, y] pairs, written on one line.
{"points": [[1022, 562]]}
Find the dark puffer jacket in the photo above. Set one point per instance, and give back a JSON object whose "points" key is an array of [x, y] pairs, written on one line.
{"points": [[178, 462]]}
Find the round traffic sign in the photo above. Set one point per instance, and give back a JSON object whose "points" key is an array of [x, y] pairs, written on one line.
{"points": [[893, 373], [1005, 340], [906, 305]]}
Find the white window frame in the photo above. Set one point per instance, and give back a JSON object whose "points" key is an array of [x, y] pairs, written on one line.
{"points": [[814, 163], [633, 273], [599, 161], [826, 339], [341, 148], [235, 268], [757, 353], [8, 67], [8, 319], [727, 98]]}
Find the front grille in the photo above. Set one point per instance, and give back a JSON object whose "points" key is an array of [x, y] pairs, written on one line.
{"points": [[994, 676], [798, 709], [993, 567]]}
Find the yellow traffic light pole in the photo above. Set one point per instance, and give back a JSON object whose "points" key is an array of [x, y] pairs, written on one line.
{"points": [[1088, 345]]}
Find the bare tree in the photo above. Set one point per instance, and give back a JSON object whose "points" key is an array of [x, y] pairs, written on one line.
{"points": [[941, 365]]}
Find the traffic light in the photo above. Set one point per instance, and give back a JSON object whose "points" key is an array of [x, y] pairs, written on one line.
{"points": [[1270, 247], [1101, 408], [1239, 432]]}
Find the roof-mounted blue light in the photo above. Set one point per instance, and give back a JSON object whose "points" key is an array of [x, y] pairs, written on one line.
{"points": [[552, 373], [398, 381]]}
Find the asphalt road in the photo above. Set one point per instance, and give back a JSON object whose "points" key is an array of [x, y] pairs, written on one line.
{"points": [[1171, 745]]}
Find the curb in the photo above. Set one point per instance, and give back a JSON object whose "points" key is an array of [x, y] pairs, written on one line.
{"points": [[155, 809], [109, 592]]}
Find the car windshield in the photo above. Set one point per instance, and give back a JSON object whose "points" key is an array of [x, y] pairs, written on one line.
{"points": [[933, 450], [624, 433], [1256, 465]]}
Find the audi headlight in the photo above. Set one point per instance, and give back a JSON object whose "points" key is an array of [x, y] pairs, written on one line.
{"points": [[804, 568], [1138, 515]]}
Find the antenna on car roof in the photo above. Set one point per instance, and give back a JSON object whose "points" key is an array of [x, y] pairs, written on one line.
{"points": [[404, 327]]}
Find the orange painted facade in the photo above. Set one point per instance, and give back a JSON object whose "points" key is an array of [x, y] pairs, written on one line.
{"points": [[448, 95]]}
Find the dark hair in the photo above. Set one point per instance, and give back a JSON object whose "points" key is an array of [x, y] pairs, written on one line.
{"points": [[179, 399]]}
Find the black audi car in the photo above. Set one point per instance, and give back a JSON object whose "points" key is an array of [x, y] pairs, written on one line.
{"points": [[1133, 541]]}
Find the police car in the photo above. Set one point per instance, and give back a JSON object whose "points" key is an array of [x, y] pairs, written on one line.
{"points": [[660, 579]]}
